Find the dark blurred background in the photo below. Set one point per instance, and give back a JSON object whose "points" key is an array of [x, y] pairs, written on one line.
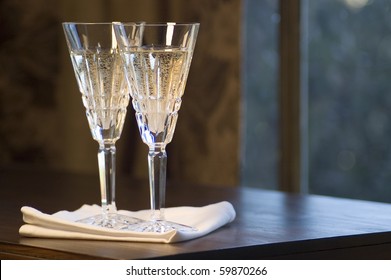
{"points": [[228, 128], [42, 120]]}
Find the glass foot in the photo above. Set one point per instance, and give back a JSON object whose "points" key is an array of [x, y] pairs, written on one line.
{"points": [[160, 226], [113, 221]]}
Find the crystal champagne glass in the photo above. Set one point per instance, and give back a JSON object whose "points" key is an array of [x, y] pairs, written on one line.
{"points": [[99, 73], [156, 69]]}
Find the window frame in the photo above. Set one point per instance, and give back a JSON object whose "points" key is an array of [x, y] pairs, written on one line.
{"points": [[293, 128]]}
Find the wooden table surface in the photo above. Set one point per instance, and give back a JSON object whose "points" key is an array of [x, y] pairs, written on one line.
{"points": [[269, 224]]}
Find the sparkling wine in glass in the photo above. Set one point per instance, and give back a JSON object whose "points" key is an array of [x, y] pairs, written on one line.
{"points": [[156, 69], [99, 73]]}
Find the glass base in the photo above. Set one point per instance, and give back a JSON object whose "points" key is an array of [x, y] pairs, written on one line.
{"points": [[113, 221], [160, 226]]}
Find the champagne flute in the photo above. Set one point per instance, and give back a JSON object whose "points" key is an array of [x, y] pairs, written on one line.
{"points": [[99, 73], [156, 70]]}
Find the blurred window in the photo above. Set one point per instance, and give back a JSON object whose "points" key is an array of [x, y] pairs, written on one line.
{"points": [[346, 54], [260, 109]]}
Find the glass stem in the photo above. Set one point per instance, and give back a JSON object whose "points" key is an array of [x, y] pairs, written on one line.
{"points": [[106, 161], [157, 164]]}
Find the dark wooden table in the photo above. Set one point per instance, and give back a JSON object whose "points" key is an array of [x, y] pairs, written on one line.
{"points": [[269, 224]]}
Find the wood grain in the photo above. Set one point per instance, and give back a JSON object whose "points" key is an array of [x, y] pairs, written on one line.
{"points": [[269, 225]]}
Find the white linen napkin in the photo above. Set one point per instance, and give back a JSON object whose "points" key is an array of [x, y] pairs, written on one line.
{"points": [[62, 224]]}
